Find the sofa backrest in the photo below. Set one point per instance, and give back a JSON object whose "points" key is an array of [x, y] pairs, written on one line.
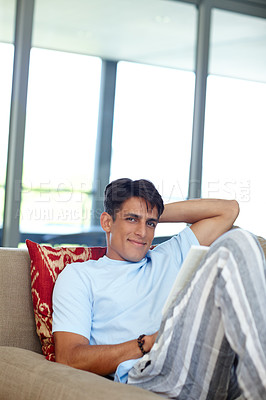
{"points": [[17, 325]]}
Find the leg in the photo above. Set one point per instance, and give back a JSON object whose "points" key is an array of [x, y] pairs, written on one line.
{"points": [[221, 313]]}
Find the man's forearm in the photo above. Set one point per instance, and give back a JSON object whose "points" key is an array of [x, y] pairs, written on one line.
{"points": [[191, 211], [75, 351], [103, 359]]}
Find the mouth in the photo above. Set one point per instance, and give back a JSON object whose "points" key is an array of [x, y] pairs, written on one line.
{"points": [[137, 243]]}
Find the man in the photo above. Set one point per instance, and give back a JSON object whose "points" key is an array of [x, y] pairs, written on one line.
{"points": [[107, 313]]}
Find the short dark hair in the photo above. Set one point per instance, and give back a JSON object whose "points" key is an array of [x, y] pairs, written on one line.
{"points": [[120, 190]]}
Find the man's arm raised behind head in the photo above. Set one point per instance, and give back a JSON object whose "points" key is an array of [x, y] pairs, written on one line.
{"points": [[210, 218]]}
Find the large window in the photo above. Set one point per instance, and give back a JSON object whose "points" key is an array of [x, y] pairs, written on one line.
{"points": [[154, 45], [60, 138], [63, 101], [152, 129], [234, 155], [154, 97]]}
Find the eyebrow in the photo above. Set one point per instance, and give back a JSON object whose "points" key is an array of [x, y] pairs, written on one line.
{"points": [[139, 217]]}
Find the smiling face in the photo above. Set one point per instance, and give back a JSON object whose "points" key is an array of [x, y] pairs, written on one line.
{"points": [[130, 235]]}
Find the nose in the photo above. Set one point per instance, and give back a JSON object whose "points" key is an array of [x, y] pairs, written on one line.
{"points": [[141, 229]]}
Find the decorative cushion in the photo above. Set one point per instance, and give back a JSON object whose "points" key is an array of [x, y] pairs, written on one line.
{"points": [[46, 264]]}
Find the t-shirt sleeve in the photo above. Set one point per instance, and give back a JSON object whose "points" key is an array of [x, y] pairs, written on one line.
{"points": [[72, 302], [185, 239], [178, 246]]}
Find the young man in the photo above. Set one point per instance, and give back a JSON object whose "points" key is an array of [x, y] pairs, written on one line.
{"points": [[107, 313]]}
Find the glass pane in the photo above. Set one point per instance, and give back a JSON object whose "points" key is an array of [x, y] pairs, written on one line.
{"points": [[152, 129], [61, 128], [238, 46], [234, 157], [146, 31], [6, 68], [7, 23], [7, 20], [234, 147]]}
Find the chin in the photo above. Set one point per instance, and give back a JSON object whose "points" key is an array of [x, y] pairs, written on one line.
{"points": [[136, 258], [136, 254]]}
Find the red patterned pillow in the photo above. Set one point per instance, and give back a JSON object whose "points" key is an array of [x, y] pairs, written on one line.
{"points": [[46, 264]]}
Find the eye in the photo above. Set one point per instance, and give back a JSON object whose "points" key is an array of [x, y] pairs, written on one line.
{"points": [[151, 224], [131, 219]]}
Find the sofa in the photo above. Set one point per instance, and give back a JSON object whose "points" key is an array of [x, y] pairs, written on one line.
{"points": [[25, 373]]}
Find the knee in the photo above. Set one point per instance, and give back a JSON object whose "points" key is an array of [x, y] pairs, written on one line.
{"points": [[231, 234], [236, 237]]}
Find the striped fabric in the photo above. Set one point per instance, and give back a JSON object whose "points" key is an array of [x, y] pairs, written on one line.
{"points": [[212, 343]]}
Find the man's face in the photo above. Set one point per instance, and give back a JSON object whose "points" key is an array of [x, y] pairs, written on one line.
{"points": [[131, 234]]}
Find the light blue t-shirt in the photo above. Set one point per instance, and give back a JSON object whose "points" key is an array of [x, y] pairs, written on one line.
{"points": [[110, 301]]}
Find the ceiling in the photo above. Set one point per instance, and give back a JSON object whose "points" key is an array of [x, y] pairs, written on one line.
{"points": [[147, 31], [157, 32]]}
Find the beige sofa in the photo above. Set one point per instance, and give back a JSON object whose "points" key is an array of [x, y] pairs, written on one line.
{"points": [[24, 371]]}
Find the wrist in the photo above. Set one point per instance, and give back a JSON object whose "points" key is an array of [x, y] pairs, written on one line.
{"points": [[141, 343]]}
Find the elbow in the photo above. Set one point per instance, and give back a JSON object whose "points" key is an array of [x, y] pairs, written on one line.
{"points": [[233, 211], [62, 359], [65, 356], [67, 360]]}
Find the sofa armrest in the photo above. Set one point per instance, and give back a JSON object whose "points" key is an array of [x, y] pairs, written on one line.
{"points": [[26, 375]]}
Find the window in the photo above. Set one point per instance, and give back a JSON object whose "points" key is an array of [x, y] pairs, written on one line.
{"points": [[154, 96], [234, 157], [6, 66], [60, 139], [152, 129], [7, 18]]}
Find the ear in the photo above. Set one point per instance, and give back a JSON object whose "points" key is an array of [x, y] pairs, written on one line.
{"points": [[106, 221]]}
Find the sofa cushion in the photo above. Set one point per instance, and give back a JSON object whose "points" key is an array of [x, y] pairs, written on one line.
{"points": [[46, 264], [27, 375]]}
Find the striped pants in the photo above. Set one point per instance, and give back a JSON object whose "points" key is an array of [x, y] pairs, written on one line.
{"points": [[212, 343]]}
